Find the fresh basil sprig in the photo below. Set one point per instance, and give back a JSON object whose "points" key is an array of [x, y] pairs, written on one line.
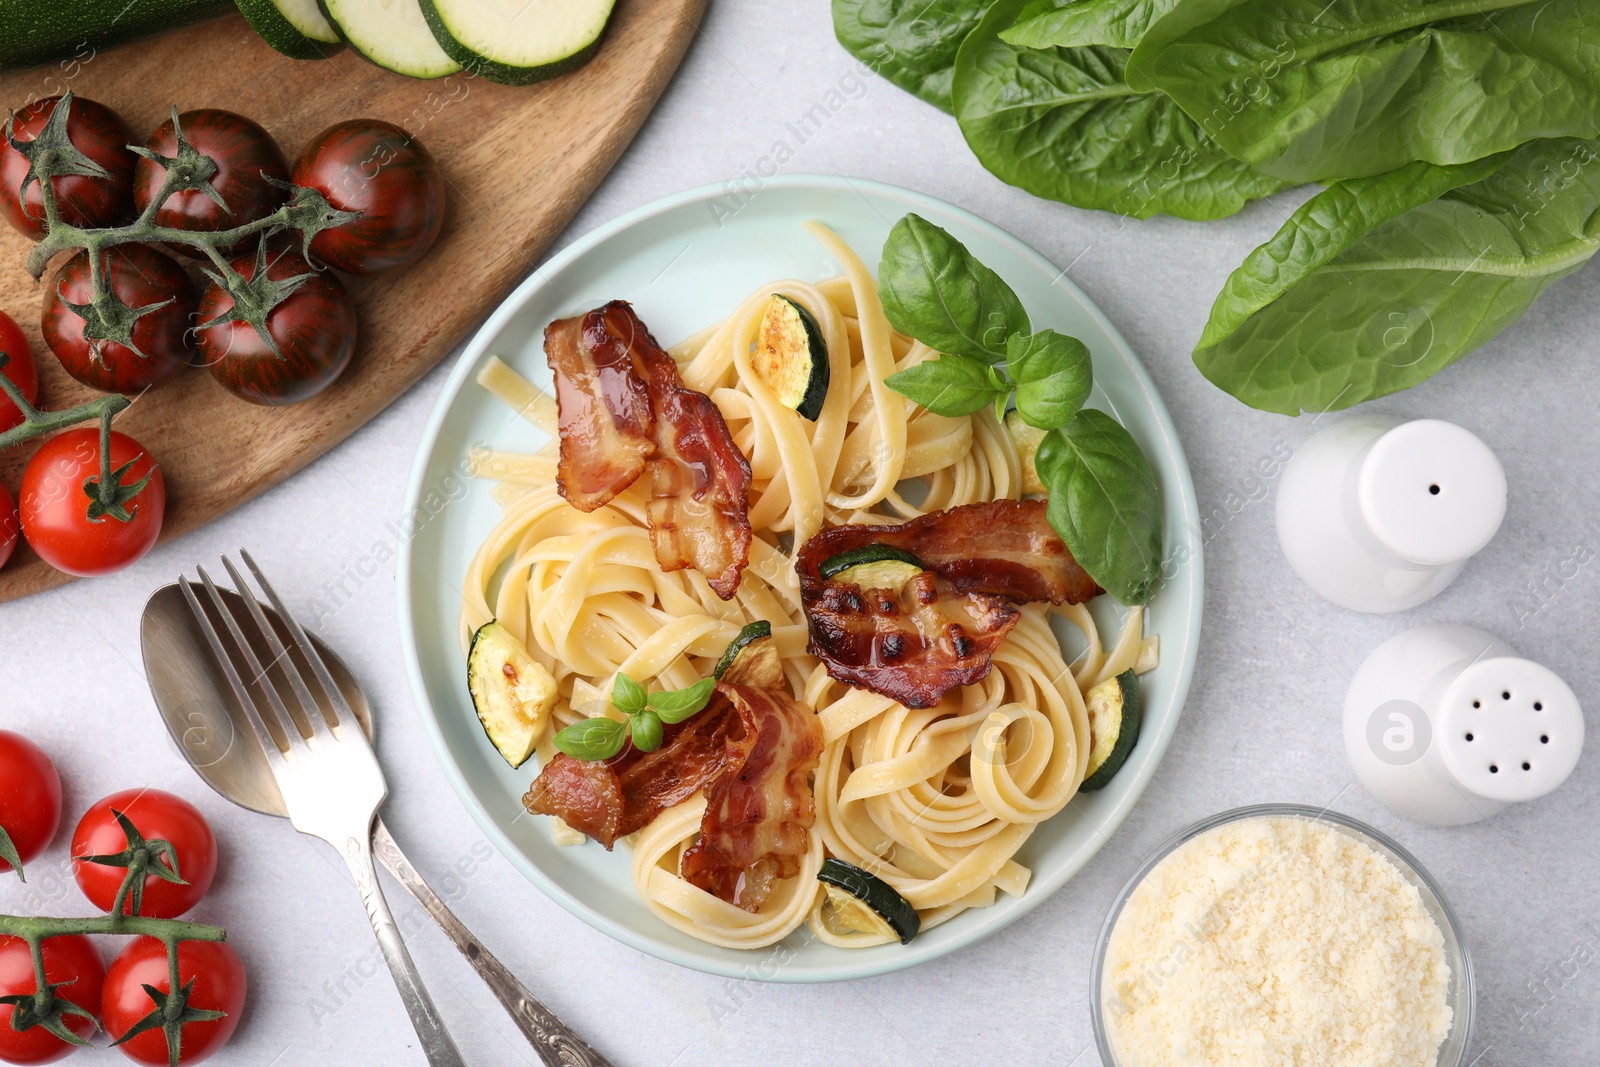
{"points": [[601, 738], [1104, 500]]}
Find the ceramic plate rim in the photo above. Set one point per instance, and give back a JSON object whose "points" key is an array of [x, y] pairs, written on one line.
{"points": [[865, 964]]}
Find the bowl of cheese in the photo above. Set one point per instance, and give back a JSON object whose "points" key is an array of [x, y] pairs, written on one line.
{"points": [[1281, 934]]}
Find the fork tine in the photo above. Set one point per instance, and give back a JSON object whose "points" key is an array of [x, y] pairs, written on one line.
{"points": [[269, 747], [341, 707], [280, 654], [291, 729]]}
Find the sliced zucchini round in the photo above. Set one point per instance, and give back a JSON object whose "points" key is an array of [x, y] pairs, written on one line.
{"points": [[511, 691], [516, 42], [391, 33], [1114, 720], [861, 902], [294, 27], [834, 567], [751, 659], [791, 356], [1026, 439]]}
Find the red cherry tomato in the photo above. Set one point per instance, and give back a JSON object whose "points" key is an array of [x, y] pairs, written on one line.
{"points": [[55, 507], [30, 796], [140, 276], [19, 368], [97, 132], [219, 985], [10, 527], [69, 960], [314, 329], [245, 156], [156, 816], [379, 170]]}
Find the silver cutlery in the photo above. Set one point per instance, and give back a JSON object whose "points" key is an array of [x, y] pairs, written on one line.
{"points": [[228, 674]]}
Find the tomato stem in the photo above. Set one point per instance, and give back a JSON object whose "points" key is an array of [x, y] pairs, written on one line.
{"points": [[36, 423], [32, 928]]}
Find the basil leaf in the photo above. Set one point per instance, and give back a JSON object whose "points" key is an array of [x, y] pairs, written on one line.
{"points": [[1074, 23], [591, 739], [1053, 376], [1064, 124], [1105, 504], [950, 385], [646, 730], [910, 43], [1322, 319], [679, 704], [1319, 90], [933, 289], [627, 695]]}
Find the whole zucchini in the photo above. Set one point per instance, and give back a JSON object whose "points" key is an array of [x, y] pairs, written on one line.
{"points": [[41, 31]]}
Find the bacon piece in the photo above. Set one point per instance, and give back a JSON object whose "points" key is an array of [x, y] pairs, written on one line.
{"points": [[1004, 547], [604, 416], [917, 643], [629, 411], [759, 812]]}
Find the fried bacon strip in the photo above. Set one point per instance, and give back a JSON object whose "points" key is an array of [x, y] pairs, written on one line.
{"points": [[624, 410], [917, 643], [751, 749]]}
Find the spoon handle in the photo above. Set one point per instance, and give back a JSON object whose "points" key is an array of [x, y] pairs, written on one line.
{"points": [[555, 1043]]}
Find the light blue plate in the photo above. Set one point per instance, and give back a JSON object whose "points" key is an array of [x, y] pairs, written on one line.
{"points": [[685, 262]]}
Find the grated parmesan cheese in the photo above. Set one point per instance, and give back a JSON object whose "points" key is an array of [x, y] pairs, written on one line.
{"points": [[1275, 940]]}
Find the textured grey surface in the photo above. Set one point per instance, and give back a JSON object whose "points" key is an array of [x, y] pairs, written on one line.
{"points": [[1262, 722]]}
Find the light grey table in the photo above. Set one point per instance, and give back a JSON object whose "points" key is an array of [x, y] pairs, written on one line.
{"points": [[1262, 721]]}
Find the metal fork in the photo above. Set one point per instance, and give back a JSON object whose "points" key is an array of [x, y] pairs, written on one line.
{"points": [[327, 772]]}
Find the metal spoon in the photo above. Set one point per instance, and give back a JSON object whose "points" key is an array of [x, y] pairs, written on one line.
{"points": [[204, 719]]}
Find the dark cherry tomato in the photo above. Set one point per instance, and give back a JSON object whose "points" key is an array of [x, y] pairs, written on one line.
{"points": [[314, 328], [245, 156], [55, 507], [10, 527], [19, 368], [140, 276], [156, 816], [381, 171], [219, 985], [30, 795], [97, 132], [69, 960]]}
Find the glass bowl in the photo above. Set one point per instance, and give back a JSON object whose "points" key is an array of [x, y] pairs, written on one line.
{"points": [[1459, 993]]}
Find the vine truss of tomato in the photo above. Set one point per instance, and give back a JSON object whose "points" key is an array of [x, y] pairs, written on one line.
{"points": [[70, 988]]}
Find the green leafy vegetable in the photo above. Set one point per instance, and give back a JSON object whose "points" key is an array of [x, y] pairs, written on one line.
{"points": [[1325, 315], [911, 43], [601, 738], [933, 289], [951, 385], [1053, 376], [1064, 124], [1318, 90], [1074, 23], [1105, 503]]}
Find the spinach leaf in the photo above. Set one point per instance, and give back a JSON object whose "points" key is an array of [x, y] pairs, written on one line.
{"points": [[933, 289], [1105, 503], [911, 43], [951, 385], [1062, 123], [1074, 23], [1320, 90], [1053, 375], [1305, 330]]}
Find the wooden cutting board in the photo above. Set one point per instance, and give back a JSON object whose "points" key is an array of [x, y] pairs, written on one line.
{"points": [[519, 160]]}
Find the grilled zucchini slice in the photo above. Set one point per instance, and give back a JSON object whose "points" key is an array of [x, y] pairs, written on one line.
{"points": [[1026, 439], [511, 691], [791, 356], [861, 902], [751, 659], [872, 567], [1114, 720]]}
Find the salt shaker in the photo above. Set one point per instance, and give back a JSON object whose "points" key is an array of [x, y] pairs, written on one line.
{"points": [[1380, 514], [1447, 725]]}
